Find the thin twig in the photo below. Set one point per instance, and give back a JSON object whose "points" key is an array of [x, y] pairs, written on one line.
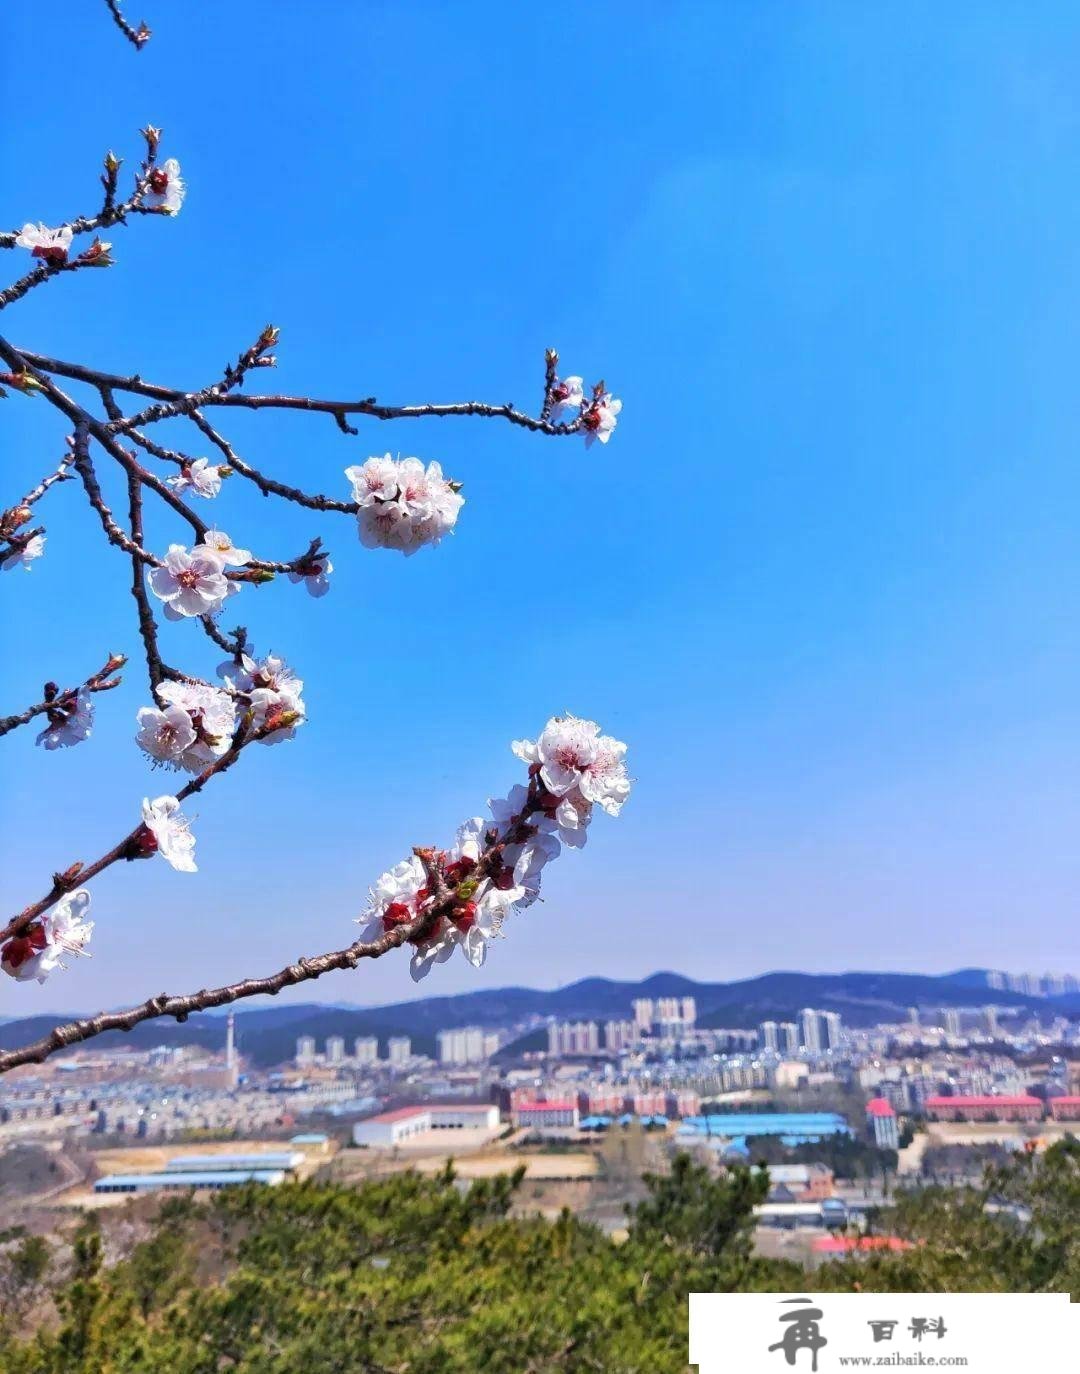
{"points": [[136, 37], [55, 700]]}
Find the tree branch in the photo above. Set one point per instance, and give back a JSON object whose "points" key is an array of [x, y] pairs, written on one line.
{"points": [[63, 1037], [101, 681], [136, 37]]}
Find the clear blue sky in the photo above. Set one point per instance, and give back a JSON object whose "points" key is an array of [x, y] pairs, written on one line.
{"points": [[823, 580]]}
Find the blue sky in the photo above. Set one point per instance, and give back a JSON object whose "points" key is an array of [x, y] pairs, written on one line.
{"points": [[823, 580]]}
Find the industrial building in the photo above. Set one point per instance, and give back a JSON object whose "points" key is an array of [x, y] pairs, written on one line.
{"points": [[793, 1128], [175, 1180], [398, 1127]]}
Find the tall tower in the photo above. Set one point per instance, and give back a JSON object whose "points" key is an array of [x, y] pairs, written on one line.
{"points": [[231, 1067]]}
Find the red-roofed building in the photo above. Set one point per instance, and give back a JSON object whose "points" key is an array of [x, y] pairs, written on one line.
{"points": [[1065, 1108], [1020, 1107], [562, 1113], [881, 1118]]}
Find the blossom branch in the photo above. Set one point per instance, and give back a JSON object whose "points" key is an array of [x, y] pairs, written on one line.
{"points": [[304, 970], [136, 37], [172, 397], [60, 704], [127, 848]]}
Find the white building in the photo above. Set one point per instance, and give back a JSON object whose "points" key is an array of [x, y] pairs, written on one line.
{"points": [[389, 1129], [398, 1050], [467, 1045], [305, 1051], [366, 1049], [769, 1035], [573, 1037], [621, 1035], [335, 1050], [643, 1012]]}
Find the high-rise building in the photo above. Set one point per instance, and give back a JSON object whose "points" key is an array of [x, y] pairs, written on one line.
{"points": [[789, 1037], [305, 1051], [366, 1049], [688, 1012], [769, 1035], [811, 1030], [467, 1045], [996, 980], [398, 1050], [620, 1035], [643, 1012], [951, 1018], [881, 1118], [667, 1010], [573, 1037], [834, 1029], [913, 1016], [993, 1026], [335, 1050]]}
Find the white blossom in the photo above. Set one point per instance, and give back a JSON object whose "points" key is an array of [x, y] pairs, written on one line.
{"points": [[165, 734], [69, 724], [402, 504], [62, 930], [600, 419], [166, 187], [190, 584], [220, 543], [52, 245], [171, 831], [201, 478], [24, 554], [315, 575], [567, 397], [572, 753], [212, 713]]}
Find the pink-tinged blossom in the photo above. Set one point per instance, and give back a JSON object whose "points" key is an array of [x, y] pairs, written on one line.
{"points": [[41, 947], [24, 555], [567, 398], [572, 753], [170, 831], [201, 478], [51, 245], [600, 418], [315, 574], [403, 505], [69, 724], [212, 713], [494, 868], [164, 734], [166, 188], [190, 584], [220, 543]]}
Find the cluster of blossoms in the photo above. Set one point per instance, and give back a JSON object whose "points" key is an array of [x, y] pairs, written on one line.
{"points": [[41, 946], [495, 866], [195, 723], [403, 505], [598, 415]]}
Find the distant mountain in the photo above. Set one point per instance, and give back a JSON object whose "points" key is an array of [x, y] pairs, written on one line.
{"points": [[268, 1034]]}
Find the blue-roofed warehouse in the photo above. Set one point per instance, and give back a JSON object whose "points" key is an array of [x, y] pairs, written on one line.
{"points": [[178, 1181], [285, 1160], [794, 1128]]}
